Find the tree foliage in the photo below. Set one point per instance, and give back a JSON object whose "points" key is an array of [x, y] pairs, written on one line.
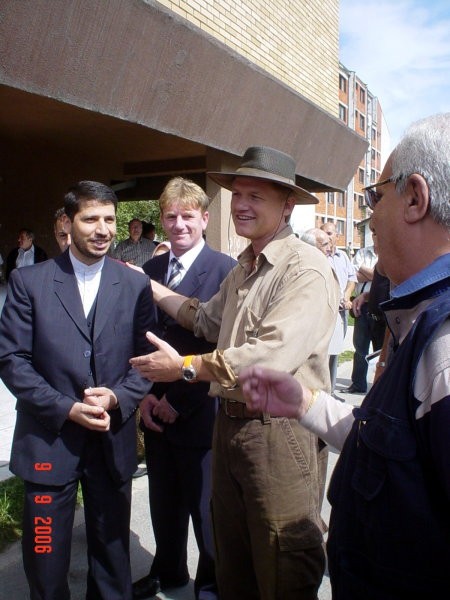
{"points": [[145, 210]]}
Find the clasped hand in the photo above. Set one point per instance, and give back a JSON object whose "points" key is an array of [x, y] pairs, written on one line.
{"points": [[150, 407], [92, 413]]}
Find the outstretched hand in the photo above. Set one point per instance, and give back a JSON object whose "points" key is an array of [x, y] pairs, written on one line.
{"points": [[273, 392], [163, 365]]}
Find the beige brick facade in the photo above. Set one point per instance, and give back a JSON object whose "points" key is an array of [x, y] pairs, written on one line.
{"points": [[296, 41]]}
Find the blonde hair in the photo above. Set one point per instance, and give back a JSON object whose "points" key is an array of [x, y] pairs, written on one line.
{"points": [[185, 192]]}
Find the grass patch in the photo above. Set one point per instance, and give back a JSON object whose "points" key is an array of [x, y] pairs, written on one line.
{"points": [[345, 356], [11, 507]]}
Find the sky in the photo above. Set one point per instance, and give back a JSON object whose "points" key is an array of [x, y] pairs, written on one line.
{"points": [[401, 50]]}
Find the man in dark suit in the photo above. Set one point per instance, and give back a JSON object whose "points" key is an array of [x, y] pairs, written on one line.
{"points": [[67, 331], [26, 253], [179, 416]]}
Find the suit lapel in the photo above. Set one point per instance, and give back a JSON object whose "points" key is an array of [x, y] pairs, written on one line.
{"points": [[108, 295], [66, 289], [196, 274]]}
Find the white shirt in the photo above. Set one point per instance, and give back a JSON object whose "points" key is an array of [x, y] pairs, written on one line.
{"points": [[364, 257], [25, 257], [88, 279], [186, 260]]}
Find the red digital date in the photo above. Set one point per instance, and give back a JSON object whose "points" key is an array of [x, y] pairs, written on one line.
{"points": [[43, 535]]}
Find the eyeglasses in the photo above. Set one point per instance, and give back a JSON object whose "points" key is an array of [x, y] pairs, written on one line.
{"points": [[371, 196]]}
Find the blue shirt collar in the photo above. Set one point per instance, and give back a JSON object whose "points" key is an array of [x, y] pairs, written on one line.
{"points": [[438, 270]]}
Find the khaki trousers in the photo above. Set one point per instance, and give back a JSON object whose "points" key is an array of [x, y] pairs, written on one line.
{"points": [[267, 490]]}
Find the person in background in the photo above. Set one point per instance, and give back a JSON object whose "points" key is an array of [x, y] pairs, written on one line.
{"points": [[390, 490], [346, 276], [67, 331], [26, 253], [268, 473], [135, 250], [318, 238], [61, 226], [149, 232], [370, 325], [179, 417]]}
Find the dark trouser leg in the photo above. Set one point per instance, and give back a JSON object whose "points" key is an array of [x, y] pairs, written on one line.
{"points": [[168, 509], [333, 365], [107, 507], [196, 469], [47, 536], [361, 342]]}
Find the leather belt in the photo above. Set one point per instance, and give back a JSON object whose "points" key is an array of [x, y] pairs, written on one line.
{"points": [[238, 410]]}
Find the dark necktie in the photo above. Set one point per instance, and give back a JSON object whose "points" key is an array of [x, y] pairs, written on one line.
{"points": [[175, 274]]}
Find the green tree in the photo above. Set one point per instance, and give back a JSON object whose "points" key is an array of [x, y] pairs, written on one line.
{"points": [[145, 210]]}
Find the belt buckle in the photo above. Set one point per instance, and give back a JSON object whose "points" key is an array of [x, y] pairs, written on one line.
{"points": [[227, 402]]}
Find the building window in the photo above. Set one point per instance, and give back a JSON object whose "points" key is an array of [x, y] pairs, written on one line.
{"points": [[340, 199], [362, 122], [374, 134], [359, 198], [372, 175], [342, 83], [342, 113], [362, 95], [374, 154], [361, 175], [330, 197], [340, 227]]}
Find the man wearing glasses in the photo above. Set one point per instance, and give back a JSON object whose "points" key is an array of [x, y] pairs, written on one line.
{"points": [[390, 491]]}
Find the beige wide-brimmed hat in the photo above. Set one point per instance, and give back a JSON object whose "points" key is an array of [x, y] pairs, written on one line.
{"points": [[266, 163]]}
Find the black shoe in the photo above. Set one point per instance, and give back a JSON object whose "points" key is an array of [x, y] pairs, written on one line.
{"points": [[140, 472], [353, 390], [147, 587], [336, 397]]}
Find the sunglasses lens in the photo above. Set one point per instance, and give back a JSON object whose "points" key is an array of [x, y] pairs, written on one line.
{"points": [[371, 198]]}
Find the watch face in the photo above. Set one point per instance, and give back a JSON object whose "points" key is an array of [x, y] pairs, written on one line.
{"points": [[189, 373]]}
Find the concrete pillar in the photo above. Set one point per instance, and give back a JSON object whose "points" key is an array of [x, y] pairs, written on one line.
{"points": [[221, 234]]}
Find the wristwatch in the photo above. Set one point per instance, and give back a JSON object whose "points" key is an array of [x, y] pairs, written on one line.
{"points": [[187, 370]]}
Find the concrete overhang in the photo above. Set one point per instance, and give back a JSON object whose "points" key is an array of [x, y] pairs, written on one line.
{"points": [[132, 80]]}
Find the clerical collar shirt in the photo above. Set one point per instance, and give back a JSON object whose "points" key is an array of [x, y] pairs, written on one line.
{"points": [[88, 280], [187, 259], [25, 257]]}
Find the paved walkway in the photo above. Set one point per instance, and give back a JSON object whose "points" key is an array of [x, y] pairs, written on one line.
{"points": [[13, 584]]}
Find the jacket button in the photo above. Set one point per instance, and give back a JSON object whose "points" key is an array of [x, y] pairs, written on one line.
{"points": [[87, 353]]}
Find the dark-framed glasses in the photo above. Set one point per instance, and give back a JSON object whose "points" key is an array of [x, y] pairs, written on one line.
{"points": [[371, 196]]}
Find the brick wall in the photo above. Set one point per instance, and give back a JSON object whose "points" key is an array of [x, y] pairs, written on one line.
{"points": [[296, 41]]}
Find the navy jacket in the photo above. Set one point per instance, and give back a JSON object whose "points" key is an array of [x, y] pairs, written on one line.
{"points": [[47, 355], [389, 533], [196, 409]]}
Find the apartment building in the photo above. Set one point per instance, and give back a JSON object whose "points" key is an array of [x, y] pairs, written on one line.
{"points": [[361, 111]]}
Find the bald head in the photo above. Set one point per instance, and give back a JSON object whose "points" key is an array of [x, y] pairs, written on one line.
{"points": [[318, 238], [330, 229]]}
